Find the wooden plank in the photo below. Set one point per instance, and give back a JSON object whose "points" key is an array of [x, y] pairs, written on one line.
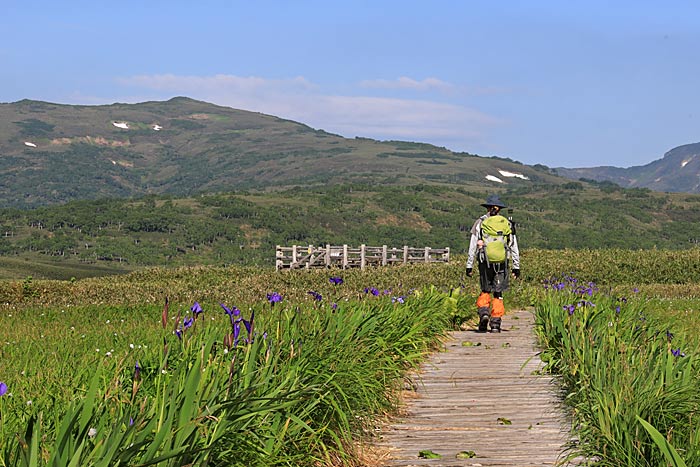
{"points": [[483, 393]]}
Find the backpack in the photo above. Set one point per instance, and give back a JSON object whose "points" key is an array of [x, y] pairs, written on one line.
{"points": [[495, 232]]}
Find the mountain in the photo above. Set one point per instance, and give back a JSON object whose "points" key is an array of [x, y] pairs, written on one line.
{"points": [[53, 153], [677, 171]]}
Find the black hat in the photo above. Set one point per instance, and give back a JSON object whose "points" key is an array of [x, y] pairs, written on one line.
{"points": [[493, 200]]}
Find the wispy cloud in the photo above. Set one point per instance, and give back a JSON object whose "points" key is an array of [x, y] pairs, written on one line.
{"points": [[446, 124], [408, 83]]}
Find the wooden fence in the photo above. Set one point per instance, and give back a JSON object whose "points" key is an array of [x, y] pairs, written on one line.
{"points": [[310, 256]]}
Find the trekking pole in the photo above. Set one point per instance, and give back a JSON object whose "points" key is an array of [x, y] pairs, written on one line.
{"points": [[510, 219]]}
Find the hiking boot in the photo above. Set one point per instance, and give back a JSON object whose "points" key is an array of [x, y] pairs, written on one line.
{"points": [[495, 324], [483, 323]]}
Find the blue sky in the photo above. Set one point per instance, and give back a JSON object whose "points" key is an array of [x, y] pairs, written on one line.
{"points": [[565, 84]]}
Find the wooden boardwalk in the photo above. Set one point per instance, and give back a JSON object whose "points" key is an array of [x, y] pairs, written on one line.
{"points": [[483, 394]]}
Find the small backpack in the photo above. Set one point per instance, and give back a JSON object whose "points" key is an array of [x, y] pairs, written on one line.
{"points": [[495, 232]]}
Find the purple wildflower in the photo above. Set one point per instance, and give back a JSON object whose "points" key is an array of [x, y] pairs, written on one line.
{"points": [[196, 309], [317, 296], [373, 290], [178, 333], [249, 324], [3, 388], [336, 280], [187, 322], [137, 371], [274, 297], [669, 335], [677, 352], [570, 309], [334, 306], [397, 300], [232, 313], [236, 332]]}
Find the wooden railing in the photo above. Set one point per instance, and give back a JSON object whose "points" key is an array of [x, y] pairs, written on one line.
{"points": [[343, 256]]}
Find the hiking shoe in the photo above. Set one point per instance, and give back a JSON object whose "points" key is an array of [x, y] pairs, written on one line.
{"points": [[495, 329], [483, 323]]}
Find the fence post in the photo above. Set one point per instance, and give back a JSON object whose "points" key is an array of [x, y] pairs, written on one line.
{"points": [[427, 254], [345, 256], [311, 258], [294, 254], [278, 255], [328, 255], [363, 256], [405, 254], [447, 254], [383, 255]]}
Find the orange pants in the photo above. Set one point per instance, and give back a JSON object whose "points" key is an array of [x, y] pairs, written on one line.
{"points": [[497, 308]]}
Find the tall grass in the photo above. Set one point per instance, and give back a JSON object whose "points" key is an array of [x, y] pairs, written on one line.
{"points": [[281, 383], [619, 366]]}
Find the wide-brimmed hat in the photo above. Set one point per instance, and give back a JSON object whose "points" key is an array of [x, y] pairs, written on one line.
{"points": [[493, 200]]}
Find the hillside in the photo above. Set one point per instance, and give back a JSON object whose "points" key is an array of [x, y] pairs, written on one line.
{"points": [[52, 153], [84, 238], [677, 171]]}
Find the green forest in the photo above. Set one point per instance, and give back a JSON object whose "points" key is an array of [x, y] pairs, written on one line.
{"points": [[243, 228]]}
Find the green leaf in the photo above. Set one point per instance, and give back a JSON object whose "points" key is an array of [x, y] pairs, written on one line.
{"points": [[470, 344], [503, 421], [428, 454], [666, 448], [465, 455]]}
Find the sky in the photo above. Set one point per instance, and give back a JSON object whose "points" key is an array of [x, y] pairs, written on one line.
{"points": [[559, 83]]}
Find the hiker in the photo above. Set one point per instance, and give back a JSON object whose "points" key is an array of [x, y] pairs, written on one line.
{"points": [[495, 247]]}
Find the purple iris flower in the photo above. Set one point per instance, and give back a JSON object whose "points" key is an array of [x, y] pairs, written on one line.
{"points": [[336, 280], [373, 290], [570, 309], [334, 306], [249, 324], [397, 300], [232, 313], [188, 321], [236, 332], [317, 296], [3, 388], [677, 352], [274, 297], [178, 333], [196, 309], [137, 371]]}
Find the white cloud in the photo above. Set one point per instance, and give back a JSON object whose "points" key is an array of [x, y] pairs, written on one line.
{"points": [[446, 124], [408, 83]]}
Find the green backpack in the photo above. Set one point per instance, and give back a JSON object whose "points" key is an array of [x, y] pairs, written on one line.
{"points": [[495, 232]]}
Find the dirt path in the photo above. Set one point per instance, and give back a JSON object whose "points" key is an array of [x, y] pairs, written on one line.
{"points": [[485, 395]]}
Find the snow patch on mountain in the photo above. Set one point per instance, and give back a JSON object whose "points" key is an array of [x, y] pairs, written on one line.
{"points": [[505, 173]]}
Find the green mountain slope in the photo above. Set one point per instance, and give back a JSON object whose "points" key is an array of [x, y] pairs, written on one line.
{"points": [[243, 227], [52, 153], [677, 171]]}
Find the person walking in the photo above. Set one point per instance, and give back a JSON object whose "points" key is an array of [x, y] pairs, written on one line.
{"points": [[495, 247]]}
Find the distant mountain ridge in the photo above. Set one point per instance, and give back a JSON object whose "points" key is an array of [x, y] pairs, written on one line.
{"points": [[54, 153], [677, 171]]}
